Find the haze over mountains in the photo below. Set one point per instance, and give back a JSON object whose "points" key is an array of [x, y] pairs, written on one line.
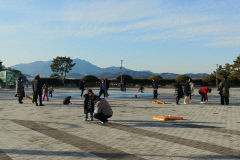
{"points": [[83, 68]]}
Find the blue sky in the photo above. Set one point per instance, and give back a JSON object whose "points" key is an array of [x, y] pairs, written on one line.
{"points": [[179, 36]]}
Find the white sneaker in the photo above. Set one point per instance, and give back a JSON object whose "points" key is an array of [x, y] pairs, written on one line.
{"points": [[202, 102]]}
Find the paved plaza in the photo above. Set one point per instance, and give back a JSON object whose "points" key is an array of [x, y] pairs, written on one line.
{"points": [[57, 132]]}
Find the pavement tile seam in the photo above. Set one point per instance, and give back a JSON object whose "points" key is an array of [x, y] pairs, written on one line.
{"points": [[81, 143], [183, 141]]}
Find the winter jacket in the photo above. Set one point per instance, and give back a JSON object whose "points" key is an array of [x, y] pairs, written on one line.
{"points": [[155, 85], [187, 89], [102, 106], [204, 90], [178, 91], [37, 85], [20, 89], [66, 101], [88, 104], [103, 86], [224, 87], [81, 85]]}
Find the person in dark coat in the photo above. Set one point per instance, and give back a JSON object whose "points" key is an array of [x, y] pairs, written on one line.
{"points": [[67, 100], [82, 87], [107, 86], [155, 88], [187, 91], [20, 90], [224, 91], [89, 104], [178, 92], [37, 89], [141, 88]]}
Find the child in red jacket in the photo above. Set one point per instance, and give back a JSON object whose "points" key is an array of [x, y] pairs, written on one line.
{"points": [[203, 92]]}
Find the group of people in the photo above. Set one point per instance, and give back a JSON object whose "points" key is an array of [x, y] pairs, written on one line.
{"points": [[100, 109], [188, 90], [40, 90], [103, 88], [94, 106]]}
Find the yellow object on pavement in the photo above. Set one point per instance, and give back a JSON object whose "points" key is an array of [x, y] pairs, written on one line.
{"points": [[158, 102], [166, 118]]}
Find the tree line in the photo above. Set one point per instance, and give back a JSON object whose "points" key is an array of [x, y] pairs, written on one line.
{"points": [[232, 71], [61, 66]]}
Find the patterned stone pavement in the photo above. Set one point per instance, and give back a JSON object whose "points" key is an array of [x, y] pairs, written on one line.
{"points": [[57, 132]]}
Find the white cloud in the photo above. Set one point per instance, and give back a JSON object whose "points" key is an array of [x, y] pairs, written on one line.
{"points": [[137, 20], [226, 42], [105, 12]]}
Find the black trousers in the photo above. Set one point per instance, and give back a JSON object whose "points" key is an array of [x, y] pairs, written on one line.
{"points": [[177, 99], [224, 99], [203, 99], [102, 92], [82, 91], [20, 99], [155, 93], [36, 95], [50, 94], [102, 117]]}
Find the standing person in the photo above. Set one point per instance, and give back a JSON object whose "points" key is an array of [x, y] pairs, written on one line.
{"points": [[178, 92], [37, 89], [155, 88], [102, 110], [50, 91], [141, 88], [187, 91], [107, 86], [102, 89], [45, 90], [192, 89], [89, 104], [224, 91], [20, 90], [82, 87], [203, 92]]}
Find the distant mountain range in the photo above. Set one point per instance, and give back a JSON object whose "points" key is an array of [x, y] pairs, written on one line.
{"points": [[83, 68]]}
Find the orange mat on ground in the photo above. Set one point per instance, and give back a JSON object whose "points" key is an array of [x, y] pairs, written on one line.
{"points": [[28, 97], [158, 102], [166, 118]]}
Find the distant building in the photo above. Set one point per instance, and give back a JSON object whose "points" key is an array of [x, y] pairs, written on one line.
{"points": [[8, 78]]}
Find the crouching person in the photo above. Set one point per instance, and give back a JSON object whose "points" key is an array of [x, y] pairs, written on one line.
{"points": [[102, 110], [67, 100]]}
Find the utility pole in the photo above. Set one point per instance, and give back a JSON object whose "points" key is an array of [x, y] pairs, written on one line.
{"points": [[6, 79], [121, 71], [217, 77]]}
